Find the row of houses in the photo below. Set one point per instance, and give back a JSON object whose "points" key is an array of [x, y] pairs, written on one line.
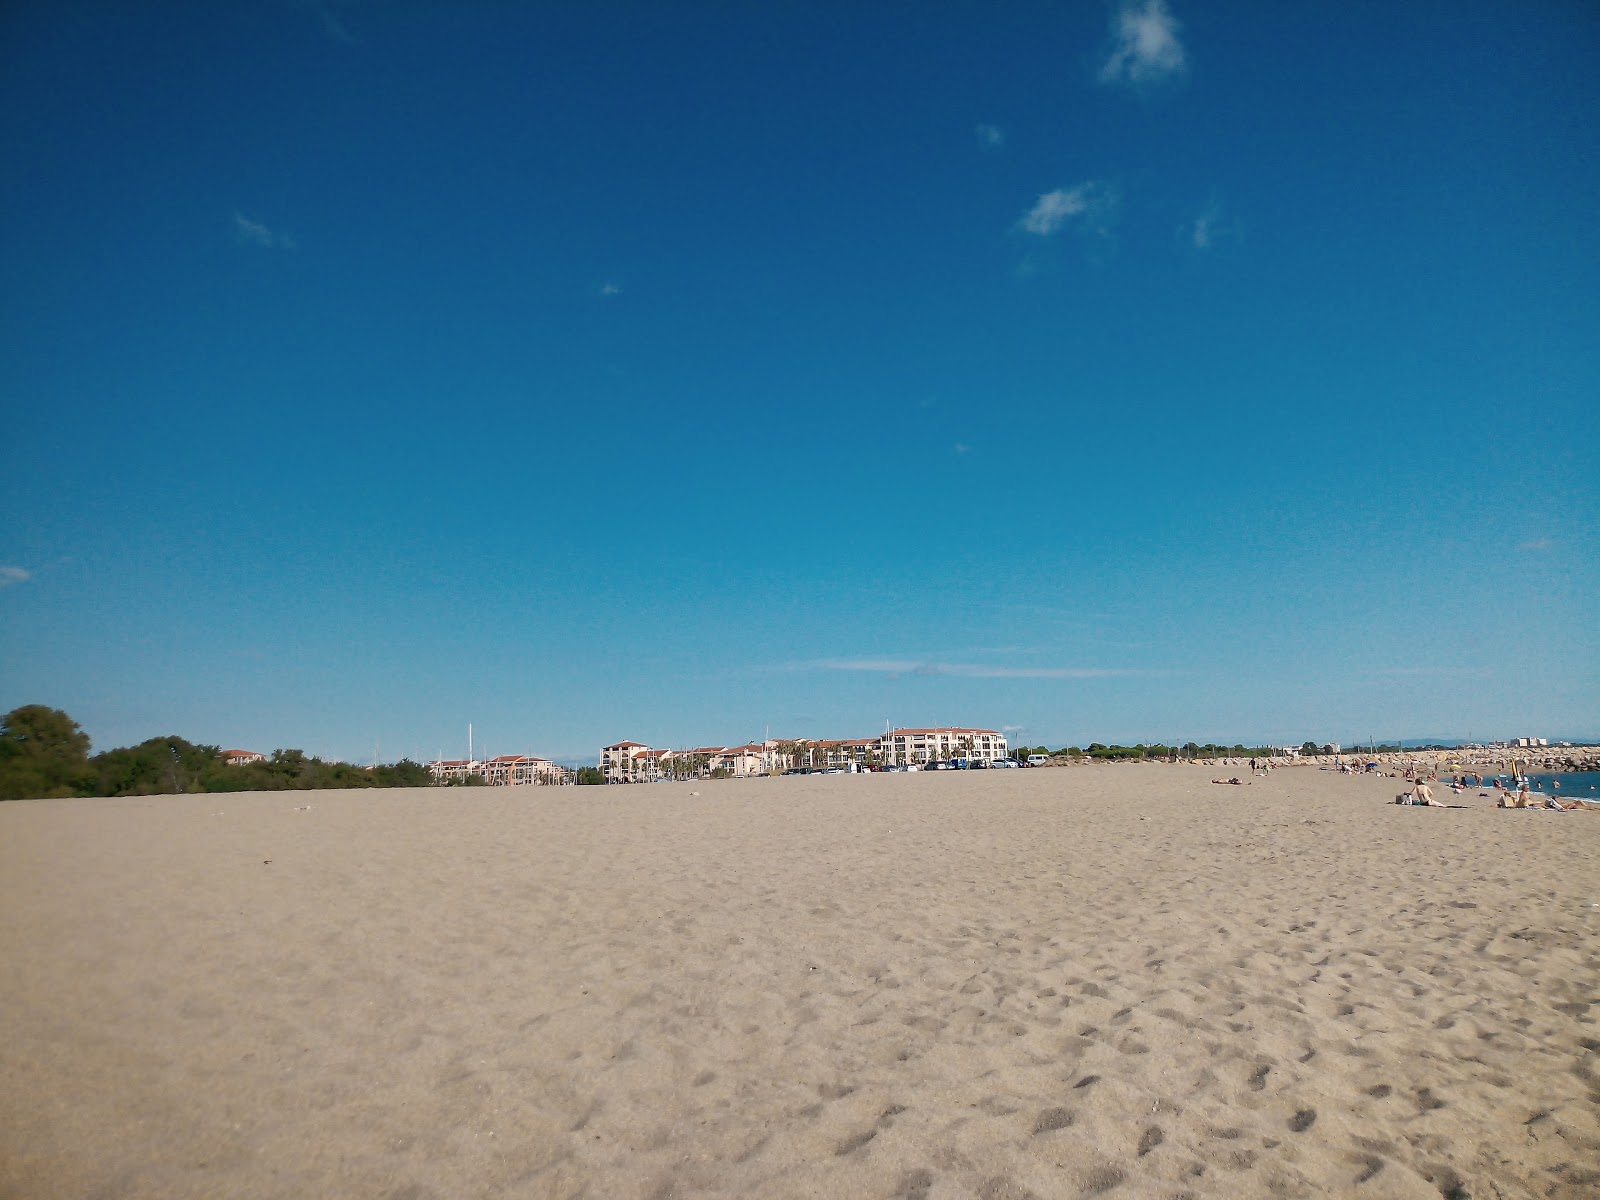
{"points": [[505, 770], [635, 762]]}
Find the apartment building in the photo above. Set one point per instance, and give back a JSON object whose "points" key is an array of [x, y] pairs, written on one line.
{"points": [[634, 762], [505, 770], [913, 747]]}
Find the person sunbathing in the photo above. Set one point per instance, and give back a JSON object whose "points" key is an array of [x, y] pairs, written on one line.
{"points": [[1523, 798], [1421, 793], [1571, 805]]}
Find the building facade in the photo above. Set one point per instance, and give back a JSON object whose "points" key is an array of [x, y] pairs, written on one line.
{"points": [[505, 770], [914, 747], [634, 762]]}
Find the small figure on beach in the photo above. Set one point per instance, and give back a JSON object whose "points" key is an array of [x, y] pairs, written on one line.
{"points": [[1522, 798], [1422, 794]]}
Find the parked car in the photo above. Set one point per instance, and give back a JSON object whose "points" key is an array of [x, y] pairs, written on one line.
{"points": [[1005, 762]]}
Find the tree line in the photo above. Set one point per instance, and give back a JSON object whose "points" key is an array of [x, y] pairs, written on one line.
{"points": [[44, 754]]}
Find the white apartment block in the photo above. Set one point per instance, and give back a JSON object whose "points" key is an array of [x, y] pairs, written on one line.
{"points": [[634, 762], [913, 747]]}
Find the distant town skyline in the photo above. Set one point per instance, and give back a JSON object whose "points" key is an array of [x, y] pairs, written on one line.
{"points": [[1131, 372]]}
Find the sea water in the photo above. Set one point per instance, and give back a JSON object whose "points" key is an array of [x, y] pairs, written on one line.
{"points": [[1583, 784]]}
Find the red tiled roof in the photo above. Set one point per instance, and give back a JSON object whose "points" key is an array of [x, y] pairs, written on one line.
{"points": [[623, 745]]}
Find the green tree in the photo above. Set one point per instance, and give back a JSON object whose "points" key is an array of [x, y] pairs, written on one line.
{"points": [[43, 755], [155, 766], [404, 773], [590, 775]]}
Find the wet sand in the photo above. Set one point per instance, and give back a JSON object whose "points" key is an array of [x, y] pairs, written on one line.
{"points": [[1106, 980]]}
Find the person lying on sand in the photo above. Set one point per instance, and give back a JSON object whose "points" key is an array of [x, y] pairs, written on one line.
{"points": [[1421, 793], [1235, 779]]}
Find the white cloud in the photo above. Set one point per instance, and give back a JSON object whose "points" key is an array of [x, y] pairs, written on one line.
{"points": [[257, 234], [912, 666], [991, 137], [10, 575], [1536, 544], [1209, 230], [611, 289], [1093, 201], [1145, 47]]}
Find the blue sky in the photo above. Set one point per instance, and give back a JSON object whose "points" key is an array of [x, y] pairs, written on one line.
{"points": [[677, 372]]}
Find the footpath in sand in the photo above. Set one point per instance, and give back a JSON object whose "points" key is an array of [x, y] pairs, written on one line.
{"points": [[1053, 983]]}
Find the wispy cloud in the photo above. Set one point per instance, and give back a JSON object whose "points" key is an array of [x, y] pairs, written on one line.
{"points": [[11, 575], [1537, 544], [336, 28], [991, 137], [1213, 229], [1144, 45], [258, 234], [611, 289], [898, 667], [1432, 672], [1090, 204]]}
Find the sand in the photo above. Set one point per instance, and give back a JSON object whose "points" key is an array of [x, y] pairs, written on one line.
{"points": [[1109, 980]]}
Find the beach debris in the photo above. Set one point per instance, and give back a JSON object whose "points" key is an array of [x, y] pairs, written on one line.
{"points": [[266, 862]]}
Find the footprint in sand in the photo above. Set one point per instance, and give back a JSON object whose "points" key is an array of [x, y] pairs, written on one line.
{"points": [[851, 1144], [1371, 1164], [1052, 1119]]}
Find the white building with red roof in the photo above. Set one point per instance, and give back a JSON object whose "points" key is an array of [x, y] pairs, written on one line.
{"points": [[505, 770]]}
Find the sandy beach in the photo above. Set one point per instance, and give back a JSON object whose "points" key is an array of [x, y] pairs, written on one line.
{"points": [[1106, 980]]}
